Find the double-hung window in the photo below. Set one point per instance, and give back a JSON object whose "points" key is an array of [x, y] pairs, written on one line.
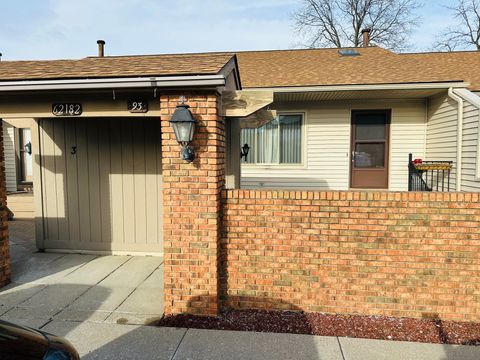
{"points": [[277, 142]]}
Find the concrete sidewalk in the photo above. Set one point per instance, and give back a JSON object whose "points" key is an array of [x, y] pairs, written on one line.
{"points": [[83, 288], [113, 341], [75, 287]]}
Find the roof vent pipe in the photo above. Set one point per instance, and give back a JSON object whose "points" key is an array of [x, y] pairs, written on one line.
{"points": [[101, 48], [366, 37]]}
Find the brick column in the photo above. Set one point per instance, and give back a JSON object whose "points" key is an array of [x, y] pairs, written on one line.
{"points": [[192, 204], [4, 243]]}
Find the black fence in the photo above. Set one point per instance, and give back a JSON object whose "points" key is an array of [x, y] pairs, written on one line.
{"points": [[428, 175]]}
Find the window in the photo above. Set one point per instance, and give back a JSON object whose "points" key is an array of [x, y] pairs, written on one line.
{"points": [[278, 142]]}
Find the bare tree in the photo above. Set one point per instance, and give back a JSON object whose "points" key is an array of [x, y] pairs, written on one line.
{"points": [[340, 22], [466, 33]]}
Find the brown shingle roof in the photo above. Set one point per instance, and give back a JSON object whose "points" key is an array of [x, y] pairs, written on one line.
{"points": [[122, 66], [374, 66], [275, 68]]}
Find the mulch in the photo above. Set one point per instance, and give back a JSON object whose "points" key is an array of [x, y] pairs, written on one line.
{"points": [[355, 326]]}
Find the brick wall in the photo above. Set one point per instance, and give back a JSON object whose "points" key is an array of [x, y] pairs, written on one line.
{"points": [[386, 253], [192, 204], [4, 244]]}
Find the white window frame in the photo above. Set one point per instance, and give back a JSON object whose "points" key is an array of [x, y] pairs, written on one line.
{"points": [[303, 148]]}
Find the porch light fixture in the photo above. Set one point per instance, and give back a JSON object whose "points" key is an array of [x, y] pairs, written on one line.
{"points": [[244, 152], [183, 125]]}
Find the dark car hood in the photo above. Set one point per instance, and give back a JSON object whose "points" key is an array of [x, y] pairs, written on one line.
{"points": [[18, 342]]}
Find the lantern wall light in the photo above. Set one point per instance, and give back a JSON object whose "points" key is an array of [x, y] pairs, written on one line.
{"points": [[183, 125]]}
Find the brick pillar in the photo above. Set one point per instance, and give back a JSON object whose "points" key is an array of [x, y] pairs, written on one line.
{"points": [[192, 204], [4, 243]]}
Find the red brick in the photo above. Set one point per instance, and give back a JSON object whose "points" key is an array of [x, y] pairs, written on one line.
{"points": [[379, 253]]}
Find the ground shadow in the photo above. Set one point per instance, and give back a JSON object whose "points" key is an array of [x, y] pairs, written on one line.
{"points": [[263, 319], [454, 352], [265, 336], [469, 352], [40, 306]]}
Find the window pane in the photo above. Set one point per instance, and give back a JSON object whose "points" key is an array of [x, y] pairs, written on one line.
{"points": [[370, 155], [267, 143], [247, 136], [290, 139], [370, 127]]}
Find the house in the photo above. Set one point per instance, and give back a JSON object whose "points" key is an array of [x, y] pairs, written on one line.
{"points": [[97, 172], [324, 222], [349, 118], [323, 119]]}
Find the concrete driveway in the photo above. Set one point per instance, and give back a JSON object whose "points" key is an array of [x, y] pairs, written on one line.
{"points": [[79, 288]]}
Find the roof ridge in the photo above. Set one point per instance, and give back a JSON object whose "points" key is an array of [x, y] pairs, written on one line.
{"points": [[39, 60], [441, 52], [231, 53], [210, 53], [119, 56], [206, 53], [317, 49]]}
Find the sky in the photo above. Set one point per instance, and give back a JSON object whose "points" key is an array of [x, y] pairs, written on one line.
{"points": [[65, 29]]}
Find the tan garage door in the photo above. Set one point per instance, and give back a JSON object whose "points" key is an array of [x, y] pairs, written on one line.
{"points": [[102, 184]]}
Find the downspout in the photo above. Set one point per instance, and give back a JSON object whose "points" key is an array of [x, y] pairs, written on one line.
{"points": [[459, 101]]}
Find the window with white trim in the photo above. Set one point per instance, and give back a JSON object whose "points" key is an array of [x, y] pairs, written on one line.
{"points": [[277, 143]]}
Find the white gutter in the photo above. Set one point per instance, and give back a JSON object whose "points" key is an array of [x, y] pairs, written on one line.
{"points": [[474, 100], [325, 88], [459, 101], [117, 83]]}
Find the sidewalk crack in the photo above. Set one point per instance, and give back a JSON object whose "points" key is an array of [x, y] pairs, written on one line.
{"points": [[341, 350], [131, 292], [178, 346], [88, 289]]}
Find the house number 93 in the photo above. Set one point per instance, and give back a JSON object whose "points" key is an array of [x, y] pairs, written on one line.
{"points": [[137, 106]]}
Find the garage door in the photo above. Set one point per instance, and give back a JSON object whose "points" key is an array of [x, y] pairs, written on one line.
{"points": [[101, 184]]}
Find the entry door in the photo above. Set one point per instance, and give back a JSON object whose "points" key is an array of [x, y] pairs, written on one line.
{"points": [[370, 143], [25, 156], [102, 184]]}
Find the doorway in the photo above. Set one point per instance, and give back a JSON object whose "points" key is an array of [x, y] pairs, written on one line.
{"points": [[370, 136], [101, 185]]}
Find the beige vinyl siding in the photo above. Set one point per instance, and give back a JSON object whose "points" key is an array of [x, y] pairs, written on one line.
{"points": [[9, 153], [407, 135], [326, 163], [107, 196], [470, 182], [441, 144]]}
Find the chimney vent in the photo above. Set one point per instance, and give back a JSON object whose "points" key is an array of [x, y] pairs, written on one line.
{"points": [[101, 48], [366, 37]]}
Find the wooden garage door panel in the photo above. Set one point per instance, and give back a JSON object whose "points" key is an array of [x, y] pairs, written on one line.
{"points": [[107, 195]]}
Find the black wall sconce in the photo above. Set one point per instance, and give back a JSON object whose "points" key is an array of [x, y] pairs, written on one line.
{"points": [[244, 152], [183, 125]]}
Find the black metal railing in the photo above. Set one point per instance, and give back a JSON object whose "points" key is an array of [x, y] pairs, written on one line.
{"points": [[428, 175]]}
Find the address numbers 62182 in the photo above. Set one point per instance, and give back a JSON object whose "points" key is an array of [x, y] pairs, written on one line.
{"points": [[67, 109]]}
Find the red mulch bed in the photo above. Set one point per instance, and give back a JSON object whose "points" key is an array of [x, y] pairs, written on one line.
{"points": [[356, 326]]}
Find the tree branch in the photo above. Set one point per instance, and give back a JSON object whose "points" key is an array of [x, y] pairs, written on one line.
{"points": [[340, 22], [467, 31]]}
